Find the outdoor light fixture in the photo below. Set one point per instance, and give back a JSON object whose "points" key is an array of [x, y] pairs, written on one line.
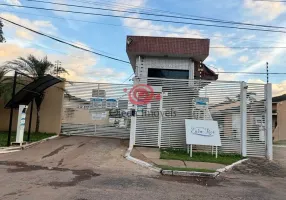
{"points": [[129, 41]]}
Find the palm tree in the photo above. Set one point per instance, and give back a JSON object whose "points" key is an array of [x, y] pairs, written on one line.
{"points": [[36, 68], [5, 84], [2, 39]]}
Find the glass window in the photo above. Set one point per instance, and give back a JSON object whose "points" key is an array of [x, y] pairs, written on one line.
{"points": [[168, 73]]}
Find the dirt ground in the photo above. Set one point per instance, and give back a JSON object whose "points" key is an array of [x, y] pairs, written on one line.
{"points": [[82, 168]]}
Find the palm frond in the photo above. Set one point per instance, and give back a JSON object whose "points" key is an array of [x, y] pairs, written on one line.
{"points": [[33, 66]]}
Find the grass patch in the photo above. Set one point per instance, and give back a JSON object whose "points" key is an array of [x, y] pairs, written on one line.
{"points": [[179, 154], [34, 137], [165, 167], [281, 142]]}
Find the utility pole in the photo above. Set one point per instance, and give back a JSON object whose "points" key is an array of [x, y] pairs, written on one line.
{"points": [[57, 67], [267, 72]]}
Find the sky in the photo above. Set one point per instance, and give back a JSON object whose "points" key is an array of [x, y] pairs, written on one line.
{"points": [[107, 35]]}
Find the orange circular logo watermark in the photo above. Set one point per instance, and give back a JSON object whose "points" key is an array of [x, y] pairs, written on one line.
{"points": [[142, 94]]}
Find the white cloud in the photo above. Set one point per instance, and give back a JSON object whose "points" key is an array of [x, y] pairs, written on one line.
{"points": [[272, 57], [21, 33], [60, 7], [277, 88], [15, 2], [38, 25], [131, 5], [12, 51], [210, 59], [80, 44], [249, 37], [222, 51], [243, 59], [81, 66], [185, 32], [148, 28], [256, 81], [265, 9], [223, 76]]}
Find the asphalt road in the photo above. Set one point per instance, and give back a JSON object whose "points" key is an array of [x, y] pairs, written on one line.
{"points": [[74, 169]]}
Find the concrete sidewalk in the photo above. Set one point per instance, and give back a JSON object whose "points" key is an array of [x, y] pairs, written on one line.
{"points": [[152, 155]]}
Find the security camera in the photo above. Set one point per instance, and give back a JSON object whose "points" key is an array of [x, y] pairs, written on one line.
{"points": [[129, 41]]}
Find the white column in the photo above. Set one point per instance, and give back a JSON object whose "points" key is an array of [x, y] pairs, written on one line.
{"points": [[191, 69], [132, 132], [133, 120], [160, 121], [191, 73], [268, 120], [243, 113]]}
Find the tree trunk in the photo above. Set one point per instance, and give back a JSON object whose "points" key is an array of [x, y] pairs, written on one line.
{"points": [[38, 121], [38, 100]]}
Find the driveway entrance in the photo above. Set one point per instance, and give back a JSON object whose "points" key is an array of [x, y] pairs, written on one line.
{"points": [[97, 154]]}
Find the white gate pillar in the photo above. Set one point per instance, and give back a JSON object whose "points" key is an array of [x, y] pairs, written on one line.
{"points": [[268, 120], [133, 118], [243, 123], [132, 131], [160, 121]]}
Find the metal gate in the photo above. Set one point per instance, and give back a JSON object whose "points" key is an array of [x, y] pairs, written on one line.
{"points": [[239, 109], [243, 112], [96, 109]]}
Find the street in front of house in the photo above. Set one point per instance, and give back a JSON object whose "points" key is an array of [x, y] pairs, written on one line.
{"points": [[84, 168]]}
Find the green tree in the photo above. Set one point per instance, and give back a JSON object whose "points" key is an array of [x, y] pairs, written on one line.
{"points": [[5, 84], [36, 68], [2, 39]]}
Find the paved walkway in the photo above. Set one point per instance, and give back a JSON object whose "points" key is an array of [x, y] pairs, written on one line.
{"points": [[153, 155]]}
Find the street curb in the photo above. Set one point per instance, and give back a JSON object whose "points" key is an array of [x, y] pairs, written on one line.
{"points": [[12, 151], [179, 173], [166, 172], [141, 162], [229, 167], [40, 141], [194, 173], [15, 149], [188, 173]]}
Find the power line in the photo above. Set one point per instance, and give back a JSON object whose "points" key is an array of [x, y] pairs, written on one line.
{"points": [[62, 41], [159, 15], [55, 50], [70, 55], [147, 19], [270, 0], [280, 73], [129, 6], [225, 47], [119, 25], [128, 78]]}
